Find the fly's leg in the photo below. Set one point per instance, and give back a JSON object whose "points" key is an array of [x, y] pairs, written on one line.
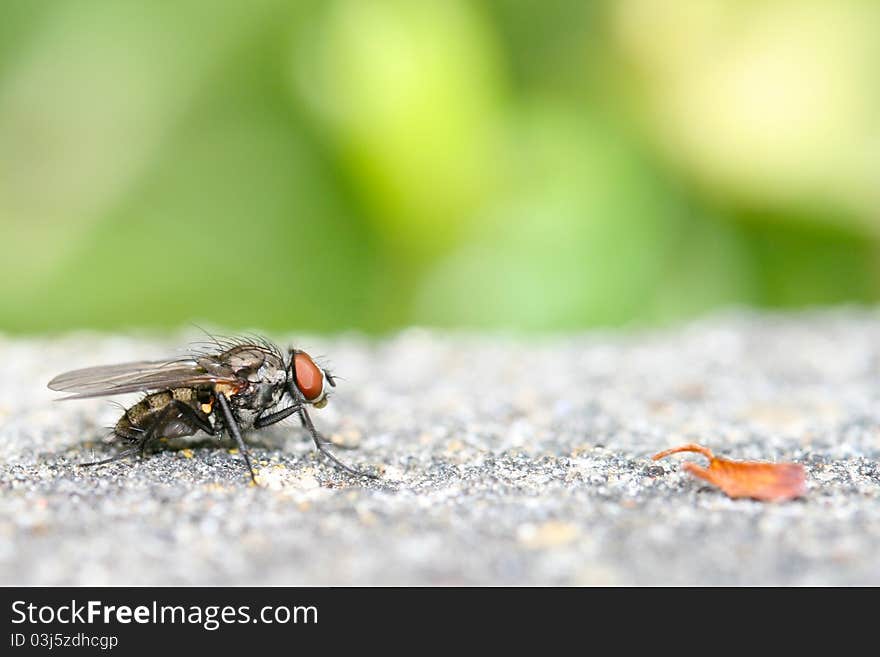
{"points": [[272, 418], [232, 427], [284, 413], [118, 457], [176, 410], [180, 412], [320, 443], [196, 420], [299, 408]]}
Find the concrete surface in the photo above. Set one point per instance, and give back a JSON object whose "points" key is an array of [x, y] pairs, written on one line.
{"points": [[506, 461]]}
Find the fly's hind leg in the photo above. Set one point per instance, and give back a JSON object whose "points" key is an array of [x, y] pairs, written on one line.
{"points": [[131, 451], [175, 411], [131, 434]]}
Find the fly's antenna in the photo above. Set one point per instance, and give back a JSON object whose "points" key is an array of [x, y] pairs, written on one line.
{"points": [[324, 362]]}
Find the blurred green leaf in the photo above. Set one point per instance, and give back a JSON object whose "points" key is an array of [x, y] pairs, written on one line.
{"points": [[580, 236], [480, 163]]}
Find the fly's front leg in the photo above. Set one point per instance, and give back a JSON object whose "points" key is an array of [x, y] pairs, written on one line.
{"points": [[233, 429], [320, 443], [285, 413], [272, 418]]}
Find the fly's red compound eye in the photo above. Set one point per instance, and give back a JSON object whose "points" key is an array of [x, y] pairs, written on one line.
{"points": [[309, 378]]}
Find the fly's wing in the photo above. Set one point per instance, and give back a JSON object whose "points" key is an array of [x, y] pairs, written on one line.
{"points": [[141, 376]]}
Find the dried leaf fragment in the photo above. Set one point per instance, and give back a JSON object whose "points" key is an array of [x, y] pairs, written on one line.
{"points": [[761, 481]]}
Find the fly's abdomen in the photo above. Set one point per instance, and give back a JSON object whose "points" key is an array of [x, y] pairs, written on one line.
{"points": [[159, 413]]}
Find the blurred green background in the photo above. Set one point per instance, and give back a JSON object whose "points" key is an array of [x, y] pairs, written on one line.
{"points": [[358, 164]]}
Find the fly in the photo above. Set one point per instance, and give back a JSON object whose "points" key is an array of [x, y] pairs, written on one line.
{"points": [[233, 386]]}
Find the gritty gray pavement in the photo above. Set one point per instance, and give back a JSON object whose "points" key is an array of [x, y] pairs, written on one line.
{"points": [[505, 461]]}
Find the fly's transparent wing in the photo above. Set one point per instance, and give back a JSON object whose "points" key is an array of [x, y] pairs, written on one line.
{"points": [[141, 376]]}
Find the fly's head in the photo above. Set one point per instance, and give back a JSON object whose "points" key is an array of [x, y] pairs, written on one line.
{"points": [[312, 382]]}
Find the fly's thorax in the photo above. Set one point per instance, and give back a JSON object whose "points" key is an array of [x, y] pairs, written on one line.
{"points": [[263, 392]]}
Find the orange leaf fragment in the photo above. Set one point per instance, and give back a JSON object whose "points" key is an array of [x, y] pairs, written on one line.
{"points": [[761, 481]]}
